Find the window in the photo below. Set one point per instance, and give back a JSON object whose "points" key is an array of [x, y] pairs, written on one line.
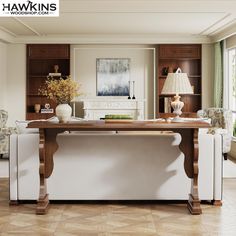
{"points": [[232, 84]]}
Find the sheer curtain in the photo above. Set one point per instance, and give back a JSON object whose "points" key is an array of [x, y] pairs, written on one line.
{"points": [[218, 81]]}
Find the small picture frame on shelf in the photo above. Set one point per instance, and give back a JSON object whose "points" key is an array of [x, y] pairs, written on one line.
{"points": [[56, 71]]}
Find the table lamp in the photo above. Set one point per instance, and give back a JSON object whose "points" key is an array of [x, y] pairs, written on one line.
{"points": [[177, 83]]}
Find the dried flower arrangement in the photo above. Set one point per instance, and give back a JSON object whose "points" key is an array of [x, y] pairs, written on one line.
{"points": [[62, 91]]}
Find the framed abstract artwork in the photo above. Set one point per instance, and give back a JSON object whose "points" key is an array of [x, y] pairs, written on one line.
{"points": [[113, 76]]}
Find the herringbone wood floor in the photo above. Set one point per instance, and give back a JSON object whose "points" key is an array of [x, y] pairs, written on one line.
{"points": [[119, 219]]}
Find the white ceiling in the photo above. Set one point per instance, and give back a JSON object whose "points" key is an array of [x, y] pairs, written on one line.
{"points": [[125, 20]]}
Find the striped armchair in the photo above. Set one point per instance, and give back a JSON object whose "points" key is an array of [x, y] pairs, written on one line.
{"points": [[5, 133], [222, 122]]}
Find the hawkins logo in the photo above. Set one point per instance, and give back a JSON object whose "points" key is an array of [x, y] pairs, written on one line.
{"points": [[17, 8]]}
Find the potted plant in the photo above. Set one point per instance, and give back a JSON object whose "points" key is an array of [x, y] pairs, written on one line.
{"points": [[62, 91]]}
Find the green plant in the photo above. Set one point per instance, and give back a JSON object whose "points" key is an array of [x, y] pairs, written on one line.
{"points": [[234, 75]]}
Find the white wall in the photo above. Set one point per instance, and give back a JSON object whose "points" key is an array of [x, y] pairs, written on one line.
{"points": [[207, 75], [3, 75], [13, 80], [16, 82], [83, 69]]}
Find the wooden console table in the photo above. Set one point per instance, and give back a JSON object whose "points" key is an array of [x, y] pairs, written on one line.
{"points": [[48, 146]]}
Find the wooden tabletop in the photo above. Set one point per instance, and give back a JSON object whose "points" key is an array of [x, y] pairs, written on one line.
{"points": [[106, 125]]}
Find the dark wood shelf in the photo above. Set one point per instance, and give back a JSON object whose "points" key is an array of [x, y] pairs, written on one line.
{"points": [[190, 76], [172, 95], [36, 116], [41, 59], [52, 58], [184, 114], [194, 76], [181, 59], [48, 51], [37, 76], [45, 76], [34, 95], [187, 57], [39, 113]]}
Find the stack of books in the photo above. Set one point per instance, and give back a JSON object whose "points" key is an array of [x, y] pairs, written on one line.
{"points": [[54, 74], [167, 105], [118, 117], [44, 110]]}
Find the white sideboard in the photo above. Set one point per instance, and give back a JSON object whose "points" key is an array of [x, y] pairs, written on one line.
{"points": [[94, 109]]}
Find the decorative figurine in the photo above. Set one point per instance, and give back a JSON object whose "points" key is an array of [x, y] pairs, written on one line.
{"points": [[129, 90], [47, 106], [56, 68], [37, 107], [133, 91], [165, 70]]}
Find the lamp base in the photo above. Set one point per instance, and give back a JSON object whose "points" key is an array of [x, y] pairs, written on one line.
{"points": [[177, 105], [177, 119]]}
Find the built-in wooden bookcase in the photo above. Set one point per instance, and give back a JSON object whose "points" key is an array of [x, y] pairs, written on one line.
{"points": [[188, 58], [41, 59]]}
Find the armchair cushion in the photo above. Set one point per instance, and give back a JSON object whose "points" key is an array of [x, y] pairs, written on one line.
{"points": [[3, 118], [21, 126], [222, 123], [5, 132], [3, 143]]}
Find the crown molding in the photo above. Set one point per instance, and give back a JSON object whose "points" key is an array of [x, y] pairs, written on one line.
{"points": [[32, 30], [225, 33], [114, 39], [216, 26], [6, 37]]}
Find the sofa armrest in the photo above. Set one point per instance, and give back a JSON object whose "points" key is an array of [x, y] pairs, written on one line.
{"points": [[13, 167], [218, 165]]}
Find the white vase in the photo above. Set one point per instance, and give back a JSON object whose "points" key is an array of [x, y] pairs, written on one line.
{"points": [[63, 112]]}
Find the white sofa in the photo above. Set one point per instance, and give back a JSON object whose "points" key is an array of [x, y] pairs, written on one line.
{"points": [[115, 166]]}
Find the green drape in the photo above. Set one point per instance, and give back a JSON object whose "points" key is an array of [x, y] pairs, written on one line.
{"points": [[218, 81]]}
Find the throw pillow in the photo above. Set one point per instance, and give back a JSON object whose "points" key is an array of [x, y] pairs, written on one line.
{"points": [[21, 127]]}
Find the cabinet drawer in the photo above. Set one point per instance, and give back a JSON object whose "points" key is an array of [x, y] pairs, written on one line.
{"points": [[48, 51], [180, 51]]}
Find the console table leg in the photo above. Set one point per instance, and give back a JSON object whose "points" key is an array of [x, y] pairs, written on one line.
{"points": [[194, 202], [43, 201]]}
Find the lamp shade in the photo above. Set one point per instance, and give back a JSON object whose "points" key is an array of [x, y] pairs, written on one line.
{"points": [[177, 83]]}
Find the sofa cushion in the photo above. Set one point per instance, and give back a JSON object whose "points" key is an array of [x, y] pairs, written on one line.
{"points": [[21, 127]]}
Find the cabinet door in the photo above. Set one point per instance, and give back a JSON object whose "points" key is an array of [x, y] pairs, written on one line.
{"points": [[179, 51], [48, 51]]}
